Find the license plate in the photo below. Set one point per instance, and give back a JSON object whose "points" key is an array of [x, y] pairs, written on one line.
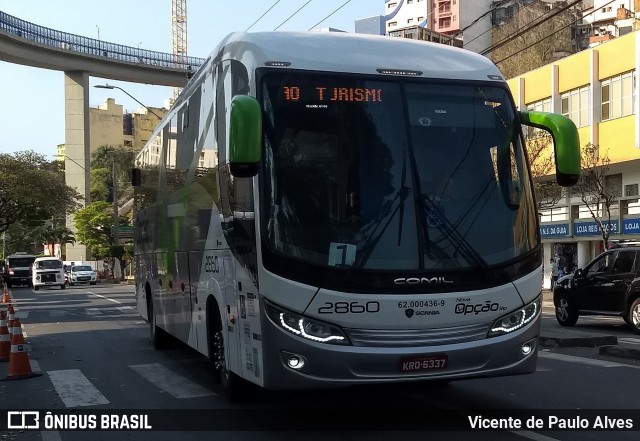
{"points": [[422, 363]]}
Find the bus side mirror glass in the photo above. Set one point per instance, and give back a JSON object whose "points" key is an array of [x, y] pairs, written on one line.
{"points": [[136, 177], [245, 136], [566, 143]]}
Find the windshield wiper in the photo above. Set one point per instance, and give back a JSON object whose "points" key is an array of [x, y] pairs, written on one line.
{"points": [[451, 233], [403, 180], [371, 243]]}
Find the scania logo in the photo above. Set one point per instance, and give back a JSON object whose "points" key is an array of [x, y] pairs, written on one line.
{"points": [[421, 280], [408, 312]]}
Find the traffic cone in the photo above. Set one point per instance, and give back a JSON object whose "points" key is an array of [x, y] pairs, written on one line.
{"points": [[10, 316], [19, 366], [5, 295], [5, 338]]}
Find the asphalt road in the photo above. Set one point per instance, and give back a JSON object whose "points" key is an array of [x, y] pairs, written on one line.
{"points": [[93, 353]]}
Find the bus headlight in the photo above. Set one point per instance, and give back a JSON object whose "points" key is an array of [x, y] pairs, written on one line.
{"points": [[517, 319], [305, 327]]}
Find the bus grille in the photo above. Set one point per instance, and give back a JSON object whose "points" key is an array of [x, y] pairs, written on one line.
{"points": [[418, 337]]}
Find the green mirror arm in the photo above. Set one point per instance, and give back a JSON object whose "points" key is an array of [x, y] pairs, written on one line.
{"points": [[566, 142]]}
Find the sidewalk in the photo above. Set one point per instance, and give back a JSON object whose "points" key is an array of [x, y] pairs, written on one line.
{"points": [[574, 338]]}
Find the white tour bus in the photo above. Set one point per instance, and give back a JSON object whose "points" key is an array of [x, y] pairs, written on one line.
{"points": [[326, 209]]}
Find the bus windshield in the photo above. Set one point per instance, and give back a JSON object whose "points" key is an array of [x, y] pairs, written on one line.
{"points": [[393, 174]]}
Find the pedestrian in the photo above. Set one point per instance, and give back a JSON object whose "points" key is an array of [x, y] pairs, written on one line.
{"points": [[562, 272], [554, 272]]}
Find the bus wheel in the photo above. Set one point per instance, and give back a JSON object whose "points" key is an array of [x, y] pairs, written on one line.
{"points": [[232, 385], [158, 336]]}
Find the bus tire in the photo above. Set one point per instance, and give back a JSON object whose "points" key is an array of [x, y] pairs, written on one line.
{"points": [[233, 386], [158, 337]]}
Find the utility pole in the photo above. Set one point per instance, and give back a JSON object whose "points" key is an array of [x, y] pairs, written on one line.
{"points": [[114, 189]]}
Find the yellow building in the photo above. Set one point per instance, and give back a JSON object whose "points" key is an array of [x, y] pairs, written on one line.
{"points": [[598, 90], [110, 125]]}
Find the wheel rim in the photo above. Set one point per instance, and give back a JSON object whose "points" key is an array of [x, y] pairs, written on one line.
{"points": [[635, 316], [562, 310]]}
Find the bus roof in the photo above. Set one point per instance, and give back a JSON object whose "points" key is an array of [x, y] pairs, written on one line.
{"points": [[356, 53]]}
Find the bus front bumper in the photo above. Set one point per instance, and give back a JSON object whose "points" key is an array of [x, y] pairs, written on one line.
{"points": [[326, 365]]}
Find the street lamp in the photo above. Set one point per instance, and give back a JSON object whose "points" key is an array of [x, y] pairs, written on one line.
{"points": [[109, 86], [75, 162]]}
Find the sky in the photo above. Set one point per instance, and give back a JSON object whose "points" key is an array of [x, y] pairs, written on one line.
{"points": [[32, 110]]}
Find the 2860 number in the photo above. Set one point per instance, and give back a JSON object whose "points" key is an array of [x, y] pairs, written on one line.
{"points": [[349, 308], [211, 264]]}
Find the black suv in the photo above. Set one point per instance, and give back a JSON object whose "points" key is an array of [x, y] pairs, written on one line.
{"points": [[608, 285]]}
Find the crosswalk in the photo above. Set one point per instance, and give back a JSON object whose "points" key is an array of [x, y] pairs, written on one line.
{"points": [[76, 390], [629, 340], [113, 311]]}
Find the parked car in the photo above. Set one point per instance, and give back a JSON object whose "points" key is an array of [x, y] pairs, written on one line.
{"points": [[82, 274], [609, 285]]}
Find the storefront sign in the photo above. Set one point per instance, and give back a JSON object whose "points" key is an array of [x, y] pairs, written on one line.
{"points": [[592, 228], [631, 226], [554, 230]]}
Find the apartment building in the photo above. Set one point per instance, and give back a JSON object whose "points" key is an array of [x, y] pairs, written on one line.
{"points": [[110, 124], [603, 20], [447, 17], [598, 89]]}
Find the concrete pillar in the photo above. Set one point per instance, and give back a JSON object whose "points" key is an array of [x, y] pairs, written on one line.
{"points": [[77, 160], [547, 252], [584, 253]]}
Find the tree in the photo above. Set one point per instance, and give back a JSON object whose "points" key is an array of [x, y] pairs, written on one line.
{"points": [[99, 188], [541, 44], [33, 190], [593, 190], [102, 162], [57, 235], [548, 192], [94, 225]]}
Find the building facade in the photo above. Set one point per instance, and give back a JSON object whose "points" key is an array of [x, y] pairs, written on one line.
{"points": [[109, 125], [597, 88], [603, 21], [447, 17], [370, 25]]}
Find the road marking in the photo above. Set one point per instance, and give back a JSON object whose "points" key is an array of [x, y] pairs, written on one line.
{"points": [[629, 340], [541, 369], [50, 435], [103, 297], [92, 311], [35, 366], [584, 360], [439, 404], [22, 314], [171, 382], [74, 389], [125, 308]]}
